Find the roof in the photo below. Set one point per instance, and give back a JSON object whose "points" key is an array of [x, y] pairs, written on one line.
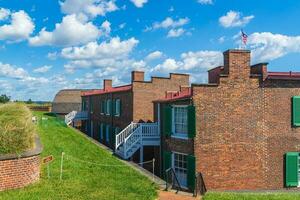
{"points": [[284, 75], [67, 100], [178, 95], [108, 90]]}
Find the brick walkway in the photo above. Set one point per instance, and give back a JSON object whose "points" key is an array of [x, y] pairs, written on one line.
{"points": [[163, 195]]}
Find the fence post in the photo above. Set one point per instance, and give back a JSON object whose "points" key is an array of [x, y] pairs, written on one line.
{"points": [[61, 164]]}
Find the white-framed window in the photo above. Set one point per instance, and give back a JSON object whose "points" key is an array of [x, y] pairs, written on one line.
{"points": [[179, 165], [107, 132], [108, 107], [180, 121], [117, 107]]}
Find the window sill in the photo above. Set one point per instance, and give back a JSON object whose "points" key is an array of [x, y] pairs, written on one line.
{"points": [[296, 125], [177, 136]]}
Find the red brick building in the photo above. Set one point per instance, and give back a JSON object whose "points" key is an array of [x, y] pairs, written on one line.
{"points": [[240, 130], [114, 113]]}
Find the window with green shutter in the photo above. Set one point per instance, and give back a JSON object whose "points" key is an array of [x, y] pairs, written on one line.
{"points": [[167, 161], [117, 105], [108, 107], [296, 111], [107, 133], [291, 169], [191, 165], [104, 106], [167, 120], [191, 121], [101, 131]]}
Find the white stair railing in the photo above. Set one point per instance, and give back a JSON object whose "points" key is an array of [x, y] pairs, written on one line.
{"points": [[130, 139], [69, 117], [120, 138]]}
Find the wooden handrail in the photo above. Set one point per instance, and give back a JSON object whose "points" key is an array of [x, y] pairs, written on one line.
{"points": [[200, 185]]}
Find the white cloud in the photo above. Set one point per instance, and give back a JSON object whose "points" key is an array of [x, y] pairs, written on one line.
{"points": [[9, 71], [139, 3], [154, 55], [90, 8], [267, 46], [221, 39], [105, 26], [71, 31], [234, 19], [115, 48], [42, 69], [52, 56], [20, 28], [173, 26], [206, 2], [191, 62], [4, 13], [121, 26], [170, 23], [175, 33]]}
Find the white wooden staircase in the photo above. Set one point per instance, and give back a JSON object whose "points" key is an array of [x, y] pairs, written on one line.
{"points": [[134, 137], [75, 116]]}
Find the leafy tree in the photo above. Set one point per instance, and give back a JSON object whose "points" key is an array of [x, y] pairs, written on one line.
{"points": [[4, 98], [29, 101]]}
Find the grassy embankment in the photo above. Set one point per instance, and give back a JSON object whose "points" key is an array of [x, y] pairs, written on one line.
{"points": [[81, 180]]}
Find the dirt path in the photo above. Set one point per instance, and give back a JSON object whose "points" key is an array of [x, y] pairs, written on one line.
{"points": [[163, 195]]}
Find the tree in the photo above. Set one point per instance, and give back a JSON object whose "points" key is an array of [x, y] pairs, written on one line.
{"points": [[4, 98], [29, 101]]}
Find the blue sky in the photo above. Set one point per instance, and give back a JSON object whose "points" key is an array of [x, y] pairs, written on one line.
{"points": [[50, 45]]}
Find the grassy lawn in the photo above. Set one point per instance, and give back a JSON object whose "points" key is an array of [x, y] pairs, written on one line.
{"points": [[81, 180], [252, 196]]}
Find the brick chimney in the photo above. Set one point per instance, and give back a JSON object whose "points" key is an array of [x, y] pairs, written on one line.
{"points": [[237, 64], [137, 76], [107, 84]]}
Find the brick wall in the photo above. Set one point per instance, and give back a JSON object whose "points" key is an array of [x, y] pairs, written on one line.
{"points": [[144, 93], [18, 173], [244, 128]]}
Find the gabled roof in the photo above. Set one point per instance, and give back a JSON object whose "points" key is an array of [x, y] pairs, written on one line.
{"points": [[108, 90]]}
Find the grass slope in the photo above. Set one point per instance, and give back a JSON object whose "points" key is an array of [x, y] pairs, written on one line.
{"points": [[16, 128], [252, 196], [81, 180]]}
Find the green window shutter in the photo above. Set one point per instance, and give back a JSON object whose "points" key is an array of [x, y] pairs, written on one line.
{"points": [[120, 107], [113, 107], [167, 120], [117, 105], [104, 106], [296, 111], [191, 165], [191, 122], [167, 161], [291, 169]]}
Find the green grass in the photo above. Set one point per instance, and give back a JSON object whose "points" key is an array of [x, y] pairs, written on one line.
{"points": [[16, 128], [252, 196], [81, 180]]}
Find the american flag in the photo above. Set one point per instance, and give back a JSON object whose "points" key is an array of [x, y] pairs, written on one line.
{"points": [[244, 37]]}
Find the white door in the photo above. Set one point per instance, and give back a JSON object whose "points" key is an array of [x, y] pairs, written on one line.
{"points": [[180, 168]]}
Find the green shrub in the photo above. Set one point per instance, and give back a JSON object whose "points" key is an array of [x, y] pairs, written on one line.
{"points": [[16, 129]]}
